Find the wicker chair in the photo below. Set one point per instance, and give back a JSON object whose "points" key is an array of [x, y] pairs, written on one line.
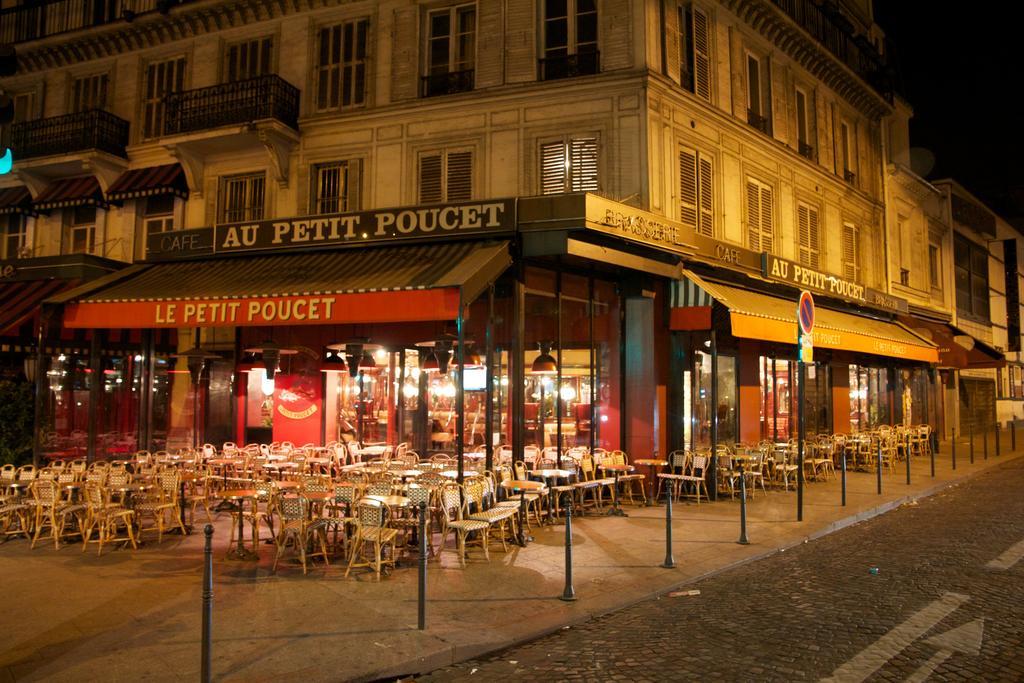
{"points": [[162, 505], [372, 530], [454, 506], [53, 513], [105, 517], [297, 529]]}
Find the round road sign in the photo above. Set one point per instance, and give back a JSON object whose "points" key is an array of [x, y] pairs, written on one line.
{"points": [[805, 312]]}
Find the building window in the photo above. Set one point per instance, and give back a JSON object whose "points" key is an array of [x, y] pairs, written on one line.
{"points": [[15, 236], [935, 266], [248, 59], [809, 235], [24, 106], [80, 230], [161, 78], [760, 216], [696, 193], [446, 176], [570, 39], [694, 41], [341, 65], [804, 125], [451, 50], [241, 198], [759, 107], [158, 214], [89, 92], [569, 165], [336, 187], [970, 268], [851, 252], [847, 152]]}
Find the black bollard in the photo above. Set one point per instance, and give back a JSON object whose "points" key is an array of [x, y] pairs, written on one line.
{"points": [[878, 467], [670, 561], [207, 603], [743, 509], [1013, 435], [568, 594], [970, 429], [931, 455], [984, 442], [422, 597], [999, 435], [908, 459], [952, 448], [843, 473]]}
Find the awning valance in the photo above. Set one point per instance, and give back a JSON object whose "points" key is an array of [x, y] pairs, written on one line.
{"points": [[146, 182], [69, 192], [16, 199], [21, 301], [957, 349], [769, 318], [390, 284]]}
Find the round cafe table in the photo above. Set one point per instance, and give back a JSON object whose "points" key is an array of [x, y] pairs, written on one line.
{"points": [[616, 470], [547, 475], [238, 497], [521, 487], [651, 463], [391, 501]]}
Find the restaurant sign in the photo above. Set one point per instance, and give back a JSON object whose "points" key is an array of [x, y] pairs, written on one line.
{"points": [[781, 270], [333, 230]]}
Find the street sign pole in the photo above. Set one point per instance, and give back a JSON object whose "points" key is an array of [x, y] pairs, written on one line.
{"points": [[801, 382], [805, 355]]}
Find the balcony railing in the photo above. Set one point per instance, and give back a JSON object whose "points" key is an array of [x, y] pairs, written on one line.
{"points": [[94, 129], [758, 121], [264, 97], [805, 150], [828, 26], [568, 66], [447, 83], [41, 18]]}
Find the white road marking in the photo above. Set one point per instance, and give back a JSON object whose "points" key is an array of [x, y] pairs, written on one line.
{"points": [[965, 639], [1011, 557], [874, 656]]}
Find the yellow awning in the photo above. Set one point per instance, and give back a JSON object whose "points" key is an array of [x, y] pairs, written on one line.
{"points": [[769, 318]]}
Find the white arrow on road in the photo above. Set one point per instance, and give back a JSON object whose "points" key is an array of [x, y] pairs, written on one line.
{"points": [[965, 639], [1011, 557]]}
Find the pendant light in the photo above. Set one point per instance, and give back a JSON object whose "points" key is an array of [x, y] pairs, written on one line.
{"points": [[545, 363]]}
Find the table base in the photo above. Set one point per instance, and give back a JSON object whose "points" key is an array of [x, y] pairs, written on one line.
{"points": [[617, 512], [242, 555]]}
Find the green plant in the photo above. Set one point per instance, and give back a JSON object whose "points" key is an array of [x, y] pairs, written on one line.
{"points": [[16, 418]]}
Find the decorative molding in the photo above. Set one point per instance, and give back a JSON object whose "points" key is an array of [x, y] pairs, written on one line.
{"points": [[194, 166], [915, 185], [279, 145]]}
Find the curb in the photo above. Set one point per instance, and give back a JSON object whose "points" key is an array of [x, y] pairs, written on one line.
{"points": [[454, 653]]}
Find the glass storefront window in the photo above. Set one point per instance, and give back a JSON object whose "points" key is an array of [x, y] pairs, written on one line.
{"points": [[869, 398], [66, 431], [726, 407]]}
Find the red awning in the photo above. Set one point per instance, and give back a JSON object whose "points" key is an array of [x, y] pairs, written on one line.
{"points": [[146, 182], [21, 300], [16, 199], [82, 191], [957, 349]]}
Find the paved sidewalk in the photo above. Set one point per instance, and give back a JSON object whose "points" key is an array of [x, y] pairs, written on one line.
{"points": [[135, 615]]}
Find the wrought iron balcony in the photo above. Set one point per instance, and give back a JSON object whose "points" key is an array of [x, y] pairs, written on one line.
{"points": [[41, 18], [568, 66], [447, 83], [805, 150], [758, 121], [826, 24], [94, 129], [255, 99]]}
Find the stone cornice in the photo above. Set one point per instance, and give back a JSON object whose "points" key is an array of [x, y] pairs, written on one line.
{"points": [[912, 183], [146, 31], [772, 23]]}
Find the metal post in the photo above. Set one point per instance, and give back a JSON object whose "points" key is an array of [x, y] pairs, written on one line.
{"points": [[802, 379], [999, 434], [984, 442], [743, 509], [670, 561], [207, 603], [908, 459], [1013, 435], [878, 467], [714, 416], [568, 594], [970, 429], [422, 592], [460, 392], [931, 455], [843, 479], [952, 447]]}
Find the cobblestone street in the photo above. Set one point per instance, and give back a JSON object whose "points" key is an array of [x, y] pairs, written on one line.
{"points": [[821, 610]]}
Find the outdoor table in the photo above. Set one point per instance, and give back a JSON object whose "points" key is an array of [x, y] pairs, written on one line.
{"points": [[521, 486], [371, 451], [547, 475], [391, 501], [185, 477], [318, 499], [454, 474], [615, 470], [319, 462], [286, 485], [651, 463], [223, 463], [238, 497], [407, 474]]}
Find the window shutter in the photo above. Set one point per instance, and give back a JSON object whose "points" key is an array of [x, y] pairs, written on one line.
{"points": [[701, 55], [767, 217], [688, 188], [814, 235], [489, 23], [520, 41], [753, 216], [583, 164], [460, 177], [849, 252], [707, 198], [430, 179], [614, 34], [670, 11], [405, 54], [553, 168]]}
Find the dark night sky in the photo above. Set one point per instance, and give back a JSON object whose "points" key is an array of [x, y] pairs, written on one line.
{"points": [[961, 68]]}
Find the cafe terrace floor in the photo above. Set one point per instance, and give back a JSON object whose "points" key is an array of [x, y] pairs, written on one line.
{"points": [[135, 616]]}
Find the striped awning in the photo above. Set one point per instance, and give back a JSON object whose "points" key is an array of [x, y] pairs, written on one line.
{"points": [[21, 300], [423, 282], [67, 192], [16, 199], [146, 182]]}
